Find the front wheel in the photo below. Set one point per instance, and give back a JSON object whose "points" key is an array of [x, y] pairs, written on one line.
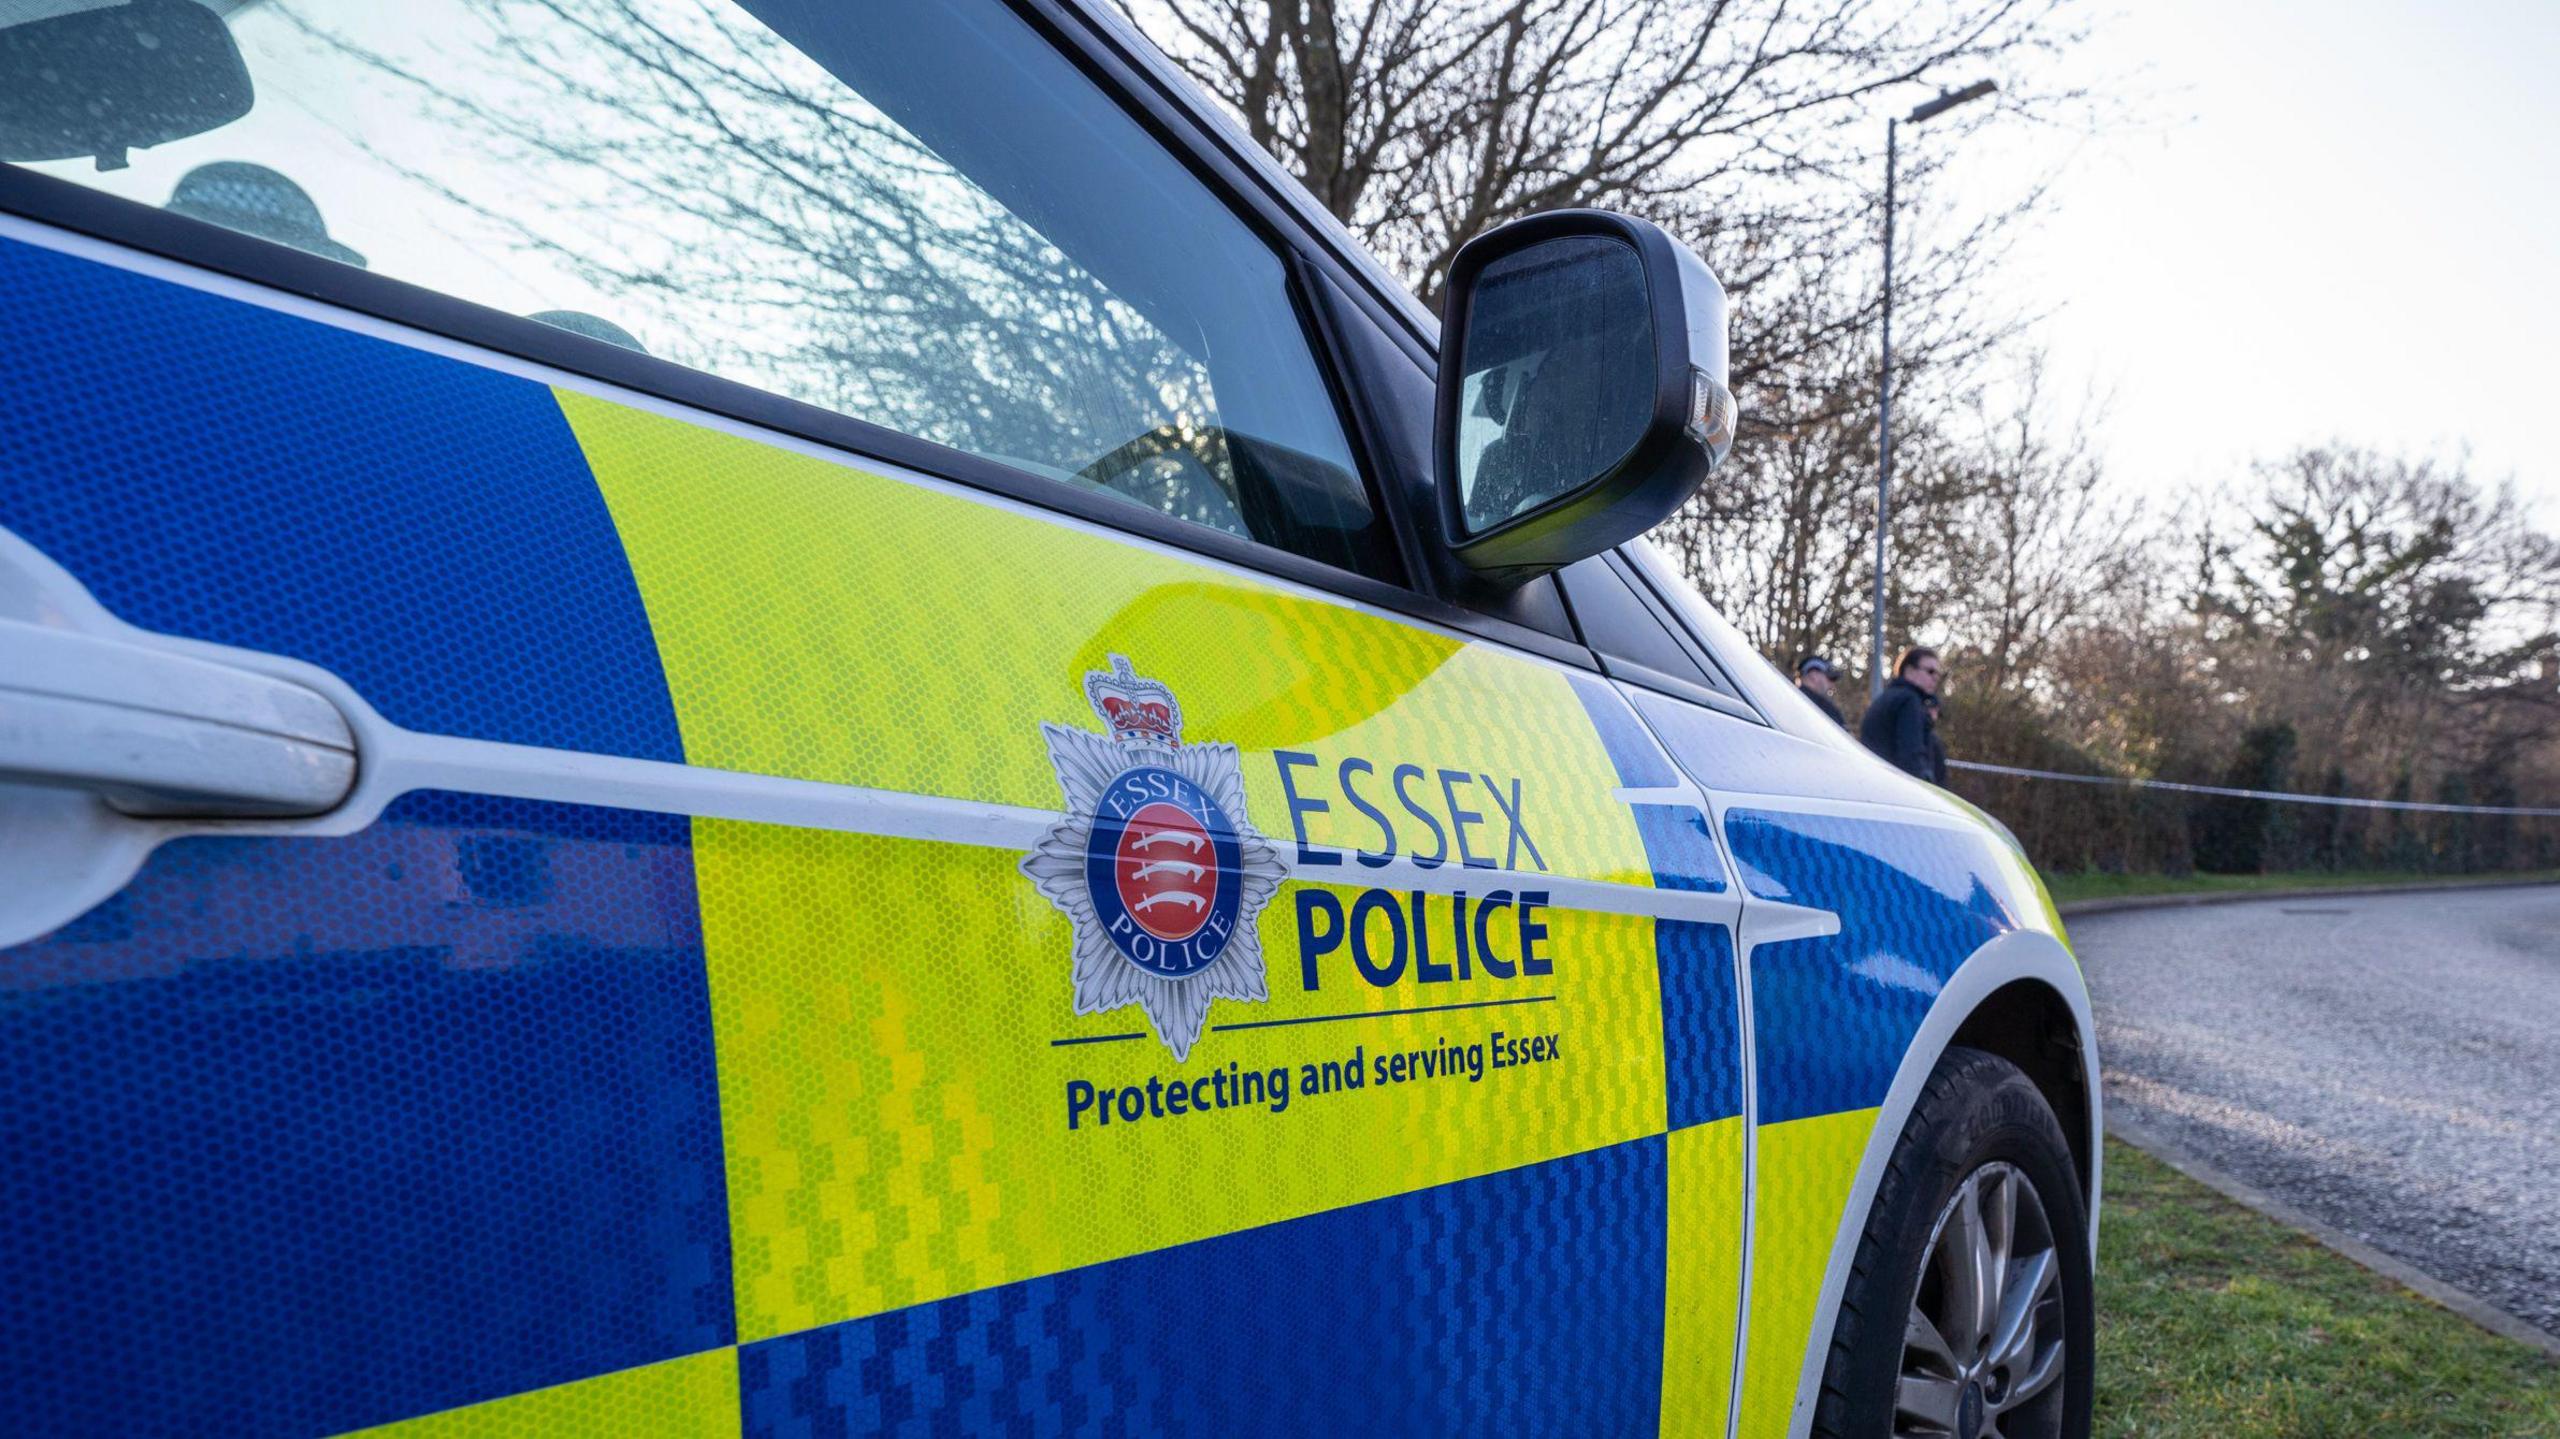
{"points": [[1967, 1314]]}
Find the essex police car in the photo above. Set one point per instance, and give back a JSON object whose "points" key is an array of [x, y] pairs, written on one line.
{"points": [[800, 718]]}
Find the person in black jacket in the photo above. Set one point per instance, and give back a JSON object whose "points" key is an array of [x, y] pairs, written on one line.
{"points": [[1896, 725], [1815, 676], [1937, 745]]}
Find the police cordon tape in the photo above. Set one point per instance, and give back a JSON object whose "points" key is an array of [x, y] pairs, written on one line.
{"points": [[2339, 800]]}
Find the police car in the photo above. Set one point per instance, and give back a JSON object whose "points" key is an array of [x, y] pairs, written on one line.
{"points": [[797, 718]]}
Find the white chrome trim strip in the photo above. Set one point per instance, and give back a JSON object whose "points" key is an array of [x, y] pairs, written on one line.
{"points": [[392, 761]]}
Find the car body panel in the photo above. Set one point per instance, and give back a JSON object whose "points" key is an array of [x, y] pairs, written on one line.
{"points": [[883, 1003], [669, 1034]]}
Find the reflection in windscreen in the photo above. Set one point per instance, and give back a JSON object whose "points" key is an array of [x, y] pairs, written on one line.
{"points": [[674, 176]]}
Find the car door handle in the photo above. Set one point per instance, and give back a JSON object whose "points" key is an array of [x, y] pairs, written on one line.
{"points": [[161, 734]]}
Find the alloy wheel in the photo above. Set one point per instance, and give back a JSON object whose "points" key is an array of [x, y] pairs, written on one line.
{"points": [[1982, 1348]]}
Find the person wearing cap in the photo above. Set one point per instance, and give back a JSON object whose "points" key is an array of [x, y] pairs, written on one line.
{"points": [[1815, 676], [1896, 725]]}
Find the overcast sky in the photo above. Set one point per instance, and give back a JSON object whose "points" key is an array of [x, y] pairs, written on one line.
{"points": [[2332, 219]]}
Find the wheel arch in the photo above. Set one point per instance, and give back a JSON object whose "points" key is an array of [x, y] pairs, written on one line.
{"points": [[2000, 998], [2028, 1023]]}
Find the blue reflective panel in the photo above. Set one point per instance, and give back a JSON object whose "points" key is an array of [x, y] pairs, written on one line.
{"points": [[1701, 1023], [1677, 845], [1525, 1302], [306, 1134], [1639, 761], [1832, 1016], [1701, 996], [424, 528]]}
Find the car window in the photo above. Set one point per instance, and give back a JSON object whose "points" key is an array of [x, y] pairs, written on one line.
{"points": [[1660, 596], [921, 216], [1624, 622]]}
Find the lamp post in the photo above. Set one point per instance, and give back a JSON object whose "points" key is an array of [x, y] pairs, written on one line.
{"points": [[1947, 100]]}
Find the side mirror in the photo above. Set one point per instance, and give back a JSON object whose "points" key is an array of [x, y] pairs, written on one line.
{"points": [[103, 81], [1582, 389]]}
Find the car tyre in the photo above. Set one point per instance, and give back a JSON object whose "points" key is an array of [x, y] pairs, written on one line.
{"points": [[1968, 1311]]}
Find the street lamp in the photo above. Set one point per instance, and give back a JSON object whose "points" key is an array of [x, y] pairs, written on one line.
{"points": [[1947, 100]]}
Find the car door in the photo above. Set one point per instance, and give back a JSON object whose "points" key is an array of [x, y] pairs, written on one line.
{"points": [[704, 849]]}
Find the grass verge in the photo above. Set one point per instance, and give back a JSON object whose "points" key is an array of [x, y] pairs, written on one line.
{"points": [[2214, 1320], [2068, 888]]}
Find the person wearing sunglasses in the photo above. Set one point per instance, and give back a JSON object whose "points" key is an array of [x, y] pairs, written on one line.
{"points": [[1896, 725], [1937, 744]]}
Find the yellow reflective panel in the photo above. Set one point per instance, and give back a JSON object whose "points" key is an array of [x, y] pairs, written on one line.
{"points": [[912, 1106], [1702, 1298], [693, 1396], [820, 622], [903, 1124], [1806, 1168]]}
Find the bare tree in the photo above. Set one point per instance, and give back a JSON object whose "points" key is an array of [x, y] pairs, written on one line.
{"points": [[2372, 601], [1420, 123], [1782, 540], [1749, 127], [2029, 540], [1779, 542]]}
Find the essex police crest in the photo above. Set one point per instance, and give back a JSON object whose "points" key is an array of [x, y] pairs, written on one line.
{"points": [[1154, 862]]}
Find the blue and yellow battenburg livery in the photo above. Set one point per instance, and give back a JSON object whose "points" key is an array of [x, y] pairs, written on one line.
{"points": [[1507, 1050]]}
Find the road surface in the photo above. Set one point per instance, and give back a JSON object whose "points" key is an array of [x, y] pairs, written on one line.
{"points": [[2388, 1064]]}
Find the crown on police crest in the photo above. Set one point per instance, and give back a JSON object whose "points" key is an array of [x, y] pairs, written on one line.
{"points": [[1138, 710]]}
